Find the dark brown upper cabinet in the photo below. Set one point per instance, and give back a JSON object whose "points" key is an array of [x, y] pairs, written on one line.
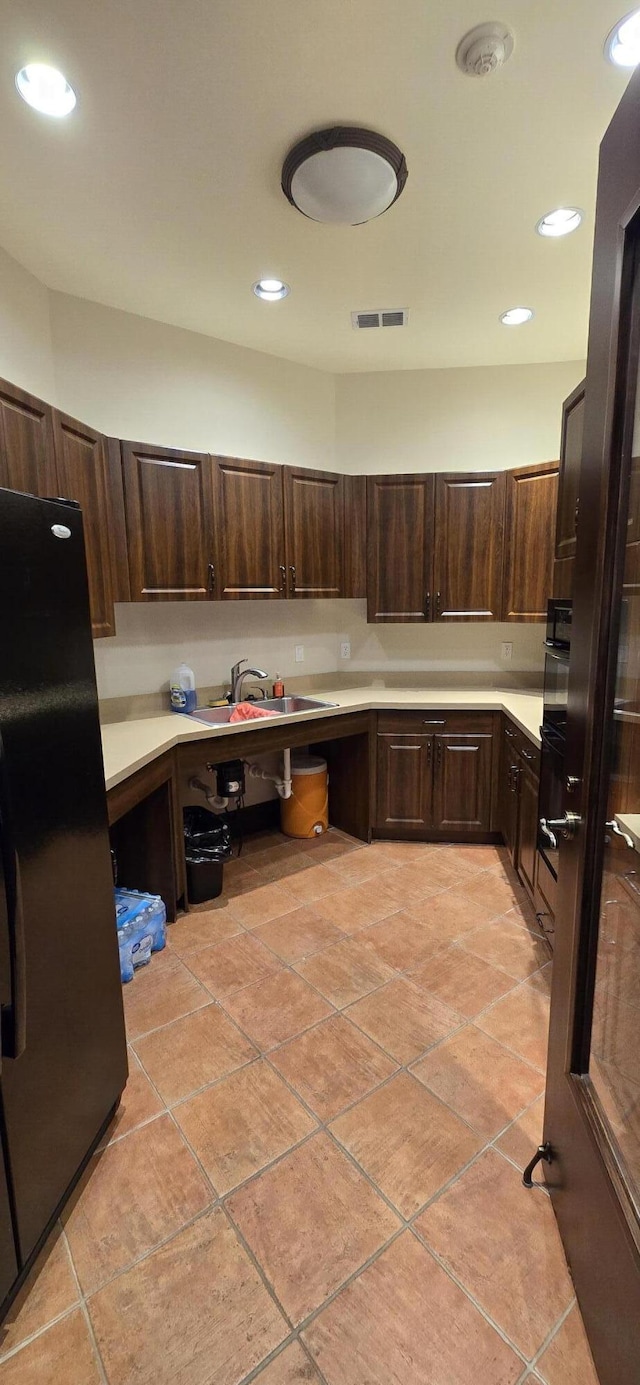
{"points": [[530, 522], [568, 497], [354, 537], [169, 515], [27, 459], [399, 548], [250, 557], [314, 519], [83, 476], [469, 546]]}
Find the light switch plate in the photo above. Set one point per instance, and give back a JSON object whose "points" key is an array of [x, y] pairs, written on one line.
{"points": [[507, 650], [299, 653]]}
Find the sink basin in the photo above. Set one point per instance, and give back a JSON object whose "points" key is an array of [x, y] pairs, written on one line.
{"points": [[220, 716]]}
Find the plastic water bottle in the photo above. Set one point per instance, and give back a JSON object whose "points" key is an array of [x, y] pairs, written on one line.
{"points": [[182, 689]]}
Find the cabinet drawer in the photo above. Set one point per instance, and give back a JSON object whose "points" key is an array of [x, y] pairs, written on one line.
{"points": [[430, 722], [522, 746]]}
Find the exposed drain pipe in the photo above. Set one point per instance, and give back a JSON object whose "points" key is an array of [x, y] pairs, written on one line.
{"points": [[282, 782], [213, 799]]}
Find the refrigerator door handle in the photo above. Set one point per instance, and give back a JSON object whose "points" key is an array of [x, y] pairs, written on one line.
{"points": [[12, 1016]]}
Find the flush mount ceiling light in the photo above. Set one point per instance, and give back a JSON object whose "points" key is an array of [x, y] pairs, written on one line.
{"points": [[271, 290], [344, 175], [484, 49], [516, 317], [46, 89], [622, 45], [561, 222]]}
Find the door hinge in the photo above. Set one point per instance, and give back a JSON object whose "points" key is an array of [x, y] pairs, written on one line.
{"points": [[544, 1153]]}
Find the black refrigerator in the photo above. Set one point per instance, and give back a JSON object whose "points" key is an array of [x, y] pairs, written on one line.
{"points": [[63, 1061]]}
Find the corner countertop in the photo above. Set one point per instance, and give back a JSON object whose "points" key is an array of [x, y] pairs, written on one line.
{"points": [[129, 745]]}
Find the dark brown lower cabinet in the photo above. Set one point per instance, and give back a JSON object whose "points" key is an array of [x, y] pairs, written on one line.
{"points": [[527, 828], [403, 782], [518, 802], [462, 783], [434, 775], [508, 789]]}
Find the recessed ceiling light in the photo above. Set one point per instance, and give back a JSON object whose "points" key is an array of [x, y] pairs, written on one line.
{"points": [[622, 45], [344, 175], [46, 89], [516, 317], [271, 289], [561, 222]]}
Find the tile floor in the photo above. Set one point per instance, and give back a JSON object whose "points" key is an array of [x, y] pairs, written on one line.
{"points": [[336, 1077]]}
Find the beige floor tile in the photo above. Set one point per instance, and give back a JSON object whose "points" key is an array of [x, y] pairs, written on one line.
{"points": [[194, 1313], [432, 873], [404, 1322], [233, 964], [298, 934], [494, 892], [407, 1141], [311, 884], [266, 902], [263, 841], [193, 1051], [139, 1103], [507, 946], [402, 941], [403, 1019], [242, 1123], [140, 1190], [449, 915], [477, 858], [462, 980], [503, 1244], [274, 868], [332, 1066], [346, 971], [356, 867], [160, 993], [63, 1355], [50, 1290], [291, 1367], [479, 1079], [521, 1140], [541, 980], [568, 1360], [195, 930], [520, 1021], [359, 905], [311, 1221], [277, 1009]]}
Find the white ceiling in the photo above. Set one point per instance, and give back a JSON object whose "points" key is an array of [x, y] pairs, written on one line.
{"points": [[161, 193]]}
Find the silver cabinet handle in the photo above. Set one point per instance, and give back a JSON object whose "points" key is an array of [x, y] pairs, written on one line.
{"points": [[283, 578], [615, 827], [292, 572], [212, 579]]}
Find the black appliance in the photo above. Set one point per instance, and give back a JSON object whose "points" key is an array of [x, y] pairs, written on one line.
{"points": [[63, 1061], [553, 730]]}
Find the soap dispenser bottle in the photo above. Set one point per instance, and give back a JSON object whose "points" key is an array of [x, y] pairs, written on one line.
{"points": [[182, 689]]}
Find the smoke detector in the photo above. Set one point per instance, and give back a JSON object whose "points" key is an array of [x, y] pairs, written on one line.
{"points": [[484, 49]]}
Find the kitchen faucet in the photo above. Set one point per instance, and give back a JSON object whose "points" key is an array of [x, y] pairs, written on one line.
{"points": [[238, 675]]}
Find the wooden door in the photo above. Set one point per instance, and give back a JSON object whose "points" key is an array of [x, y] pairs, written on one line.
{"points": [[403, 783], [399, 548], [591, 1114], [27, 459], [462, 783], [527, 839], [314, 519], [250, 557], [530, 525], [469, 546], [169, 513], [508, 797], [82, 471]]}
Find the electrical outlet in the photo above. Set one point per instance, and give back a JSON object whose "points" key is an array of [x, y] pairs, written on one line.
{"points": [[345, 650], [299, 653], [507, 650]]}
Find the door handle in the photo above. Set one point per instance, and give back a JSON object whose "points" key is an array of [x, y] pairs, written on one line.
{"points": [[13, 1016], [283, 578], [615, 827], [292, 574], [212, 578], [566, 826], [546, 832]]}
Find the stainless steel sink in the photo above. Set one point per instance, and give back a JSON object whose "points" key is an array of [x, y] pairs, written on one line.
{"points": [[220, 716]]}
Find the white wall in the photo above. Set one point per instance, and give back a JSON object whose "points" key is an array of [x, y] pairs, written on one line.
{"points": [[143, 380], [452, 420], [26, 356]]}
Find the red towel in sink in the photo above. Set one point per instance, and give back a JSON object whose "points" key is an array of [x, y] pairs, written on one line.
{"points": [[250, 711]]}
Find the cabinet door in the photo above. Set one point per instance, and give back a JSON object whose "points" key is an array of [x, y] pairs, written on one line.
{"points": [[570, 457], [508, 790], [314, 517], [399, 548], [249, 509], [354, 540], [527, 829], [530, 525], [82, 469], [469, 546], [27, 460], [462, 783], [169, 512], [403, 782]]}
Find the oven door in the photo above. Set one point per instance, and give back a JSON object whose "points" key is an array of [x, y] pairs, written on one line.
{"points": [[551, 795], [556, 687]]}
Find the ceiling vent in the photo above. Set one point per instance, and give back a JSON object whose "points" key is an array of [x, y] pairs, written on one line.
{"points": [[394, 317]]}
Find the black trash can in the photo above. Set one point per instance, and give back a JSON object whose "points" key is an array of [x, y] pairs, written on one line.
{"points": [[207, 842]]}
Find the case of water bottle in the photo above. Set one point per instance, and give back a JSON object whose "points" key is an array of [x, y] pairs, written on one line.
{"points": [[141, 921]]}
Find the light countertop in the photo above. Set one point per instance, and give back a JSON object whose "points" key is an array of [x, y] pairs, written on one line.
{"points": [[129, 745]]}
